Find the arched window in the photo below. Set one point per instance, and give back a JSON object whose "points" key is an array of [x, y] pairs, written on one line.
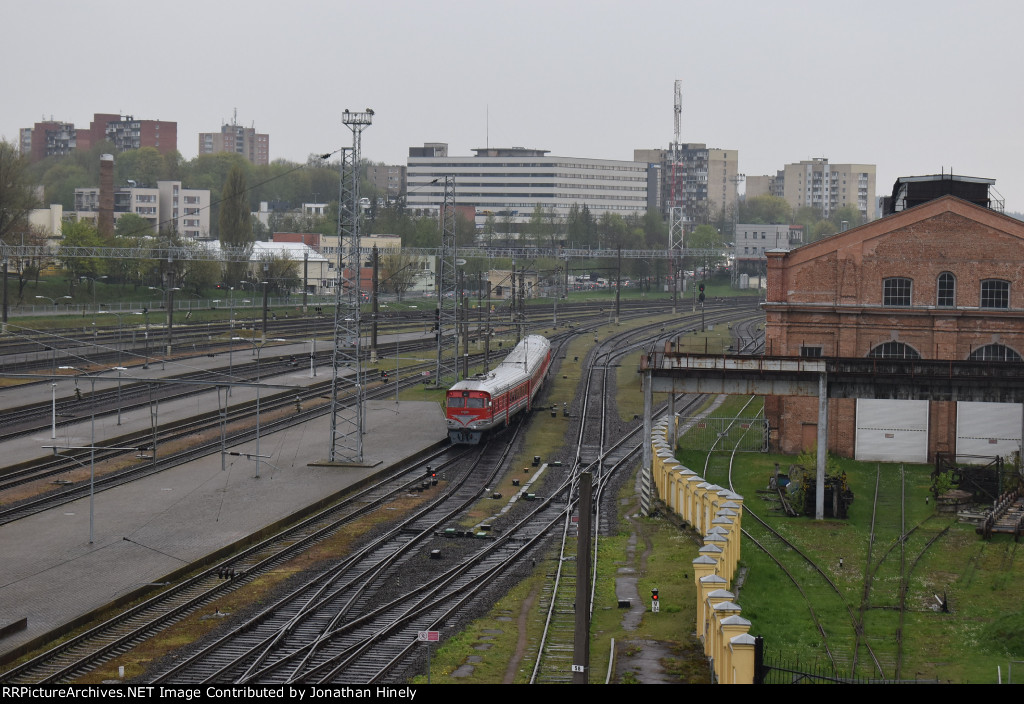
{"points": [[894, 350], [995, 293], [994, 353], [896, 291], [946, 290]]}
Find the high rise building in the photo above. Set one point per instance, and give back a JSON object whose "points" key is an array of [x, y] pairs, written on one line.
{"points": [[48, 138], [52, 138], [816, 183], [237, 139], [388, 179], [700, 180]]}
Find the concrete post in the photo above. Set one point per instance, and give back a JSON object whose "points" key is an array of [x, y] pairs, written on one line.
{"points": [[819, 494]]}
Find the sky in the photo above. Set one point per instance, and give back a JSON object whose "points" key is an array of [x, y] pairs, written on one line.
{"points": [[913, 87]]}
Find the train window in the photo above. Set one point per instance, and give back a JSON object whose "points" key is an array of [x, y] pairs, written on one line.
{"points": [[475, 403], [455, 402]]}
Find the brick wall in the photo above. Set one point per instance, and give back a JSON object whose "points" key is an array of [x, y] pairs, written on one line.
{"points": [[830, 294]]}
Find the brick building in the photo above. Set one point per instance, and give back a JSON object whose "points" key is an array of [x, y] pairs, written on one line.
{"points": [[51, 138], [941, 280]]}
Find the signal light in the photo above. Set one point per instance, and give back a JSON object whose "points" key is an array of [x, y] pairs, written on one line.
{"points": [[654, 594]]}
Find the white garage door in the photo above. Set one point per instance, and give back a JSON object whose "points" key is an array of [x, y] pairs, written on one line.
{"points": [[986, 430], [892, 431]]}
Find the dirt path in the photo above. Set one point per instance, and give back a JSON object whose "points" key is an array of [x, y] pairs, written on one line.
{"points": [[521, 643]]}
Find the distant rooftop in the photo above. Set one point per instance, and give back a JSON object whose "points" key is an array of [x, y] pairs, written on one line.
{"points": [[910, 191], [510, 151]]}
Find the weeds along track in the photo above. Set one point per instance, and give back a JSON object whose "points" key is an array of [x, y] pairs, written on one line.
{"points": [[99, 643], [894, 551], [366, 647], [601, 450], [830, 613]]}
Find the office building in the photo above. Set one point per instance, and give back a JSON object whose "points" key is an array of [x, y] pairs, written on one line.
{"points": [[509, 183]]}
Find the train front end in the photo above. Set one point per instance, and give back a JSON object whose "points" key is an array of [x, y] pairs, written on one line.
{"points": [[468, 413]]}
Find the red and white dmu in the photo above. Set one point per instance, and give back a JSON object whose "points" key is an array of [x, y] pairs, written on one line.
{"points": [[486, 401]]}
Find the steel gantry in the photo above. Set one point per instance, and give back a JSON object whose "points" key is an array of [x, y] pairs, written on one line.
{"points": [[448, 293], [347, 378]]}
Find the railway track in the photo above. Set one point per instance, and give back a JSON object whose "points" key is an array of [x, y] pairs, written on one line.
{"points": [[110, 638], [25, 350], [555, 651], [208, 426], [349, 647]]}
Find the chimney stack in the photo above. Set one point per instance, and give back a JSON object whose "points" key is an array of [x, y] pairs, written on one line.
{"points": [[106, 215]]}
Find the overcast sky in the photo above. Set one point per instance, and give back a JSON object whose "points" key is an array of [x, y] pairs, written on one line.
{"points": [[913, 87]]}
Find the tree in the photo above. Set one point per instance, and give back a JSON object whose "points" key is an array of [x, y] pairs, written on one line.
{"points": [[132, 226], [28, 267], [489, 229], [536, 227], [655, 230], [282, 273], [201, 273], [848, 214], [767, 210], [398, 272], [17, 193], [235, 230], [81, 233], [145, 166], [704, 237]]}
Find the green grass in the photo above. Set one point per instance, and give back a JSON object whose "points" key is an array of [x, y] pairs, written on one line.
{"points": [[980, 578], [667, 568]]}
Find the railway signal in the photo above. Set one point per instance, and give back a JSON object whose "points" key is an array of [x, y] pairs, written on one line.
{"points": [[654, 601]]}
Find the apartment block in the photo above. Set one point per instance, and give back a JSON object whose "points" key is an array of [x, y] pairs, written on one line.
{"points": [[53, 138], [816, 183], [389, 179], [236, 139], [701, 180], [168, 206]]}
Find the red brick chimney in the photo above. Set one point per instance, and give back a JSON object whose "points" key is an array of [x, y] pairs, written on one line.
{"points": [[106, 214]]}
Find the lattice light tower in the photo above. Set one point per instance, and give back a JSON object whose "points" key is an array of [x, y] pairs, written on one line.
{"points": [[347, 378], [676, 218], [447, 293]]}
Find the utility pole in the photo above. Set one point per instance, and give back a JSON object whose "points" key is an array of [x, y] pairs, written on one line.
{"points": [[618, 284], [305, 280], [581, 647], [375, 290]]}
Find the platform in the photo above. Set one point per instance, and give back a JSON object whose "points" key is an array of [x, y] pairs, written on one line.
{"points": [[152, 527]]}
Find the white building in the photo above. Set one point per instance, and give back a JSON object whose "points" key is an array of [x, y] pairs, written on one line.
{"points": [[509, 183], [752, 241], [168, 206], [319, 272], [187, 210]]}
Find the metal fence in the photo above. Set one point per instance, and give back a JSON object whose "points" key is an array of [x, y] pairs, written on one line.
{"points": [[775, 670], [157, 303], [729, 434]]}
